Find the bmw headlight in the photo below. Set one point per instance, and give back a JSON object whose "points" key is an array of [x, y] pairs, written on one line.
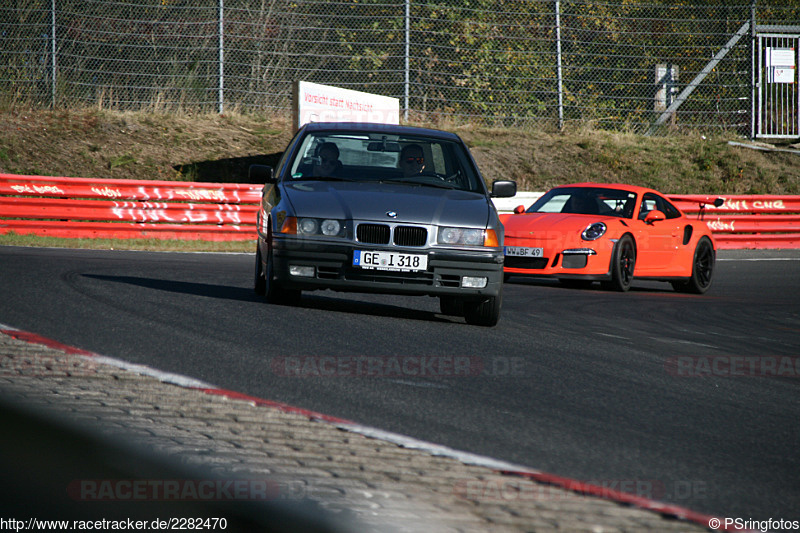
{"points": [[594, 231], [467, 237], [309, 226], [330, 227]]}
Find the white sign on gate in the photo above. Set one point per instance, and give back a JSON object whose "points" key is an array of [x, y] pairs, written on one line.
{"points": [[782, 75], [781, 65]]}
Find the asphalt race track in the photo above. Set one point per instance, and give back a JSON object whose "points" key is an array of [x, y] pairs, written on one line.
{"points": [[695, 398]]}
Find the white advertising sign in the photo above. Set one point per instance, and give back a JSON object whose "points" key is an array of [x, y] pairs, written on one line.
{"points": [[324, 103]]}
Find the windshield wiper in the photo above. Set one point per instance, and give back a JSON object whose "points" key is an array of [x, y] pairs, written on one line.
{"points": [[427, 182], [323, 178]]}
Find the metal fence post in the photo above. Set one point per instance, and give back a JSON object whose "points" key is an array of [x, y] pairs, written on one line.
{"points": [[559, 77], [221, 96], [53, 53], [407, 57], [755, 112]]}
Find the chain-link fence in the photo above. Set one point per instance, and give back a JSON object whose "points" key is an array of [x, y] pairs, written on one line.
{"points": [[530, 63]]}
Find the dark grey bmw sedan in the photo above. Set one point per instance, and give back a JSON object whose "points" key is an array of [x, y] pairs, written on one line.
{"points": [[381, 208]]}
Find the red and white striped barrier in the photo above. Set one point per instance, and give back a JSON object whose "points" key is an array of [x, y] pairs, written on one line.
{"points": [[747, 221], [126, 209]]}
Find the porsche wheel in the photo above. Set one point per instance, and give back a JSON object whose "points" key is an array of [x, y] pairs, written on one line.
{"points": [[702, 269], [483, 313], [623, 262]]}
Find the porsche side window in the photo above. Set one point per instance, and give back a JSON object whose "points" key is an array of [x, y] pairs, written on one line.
{"points": [[670, 210], [649, 203]]}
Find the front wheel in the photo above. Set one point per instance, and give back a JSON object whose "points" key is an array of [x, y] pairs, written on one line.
{"points": [[623, 262], [267, 286], [450, 305], [260, 283], [702, 269], [484, 312]]}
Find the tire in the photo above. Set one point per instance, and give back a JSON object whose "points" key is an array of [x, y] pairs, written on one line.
{"points": [[266, 285], [260, 283], [483, 312], [451, 305], [702, 269], [623, 264]]}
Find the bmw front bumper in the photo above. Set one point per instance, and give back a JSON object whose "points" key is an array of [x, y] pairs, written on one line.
{"points": [[331, 267]]}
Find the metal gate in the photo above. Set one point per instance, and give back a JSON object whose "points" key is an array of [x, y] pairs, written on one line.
{"points": [[777, 55]]}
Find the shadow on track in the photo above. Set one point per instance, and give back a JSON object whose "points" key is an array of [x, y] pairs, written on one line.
{"points": [[307, 301], [226, 292], [345, 305]]}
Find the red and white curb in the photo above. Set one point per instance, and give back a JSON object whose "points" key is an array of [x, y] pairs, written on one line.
{"points": [[500, 467]]}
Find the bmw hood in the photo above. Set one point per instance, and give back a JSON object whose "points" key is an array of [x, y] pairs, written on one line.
{"points": [[388, 202]]}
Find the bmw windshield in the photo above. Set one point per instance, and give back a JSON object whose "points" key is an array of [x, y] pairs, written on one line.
{"points": [[413, 160]]}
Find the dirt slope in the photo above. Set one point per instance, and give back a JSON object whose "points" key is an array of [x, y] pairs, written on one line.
{"points": [[105, 144]]}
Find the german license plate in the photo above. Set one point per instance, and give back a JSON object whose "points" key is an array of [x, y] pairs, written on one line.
{"points": [[520, 251], [390, 261]]}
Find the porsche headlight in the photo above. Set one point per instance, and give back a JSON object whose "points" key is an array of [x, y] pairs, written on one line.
{"points": [[467, 237], [593, 231]]}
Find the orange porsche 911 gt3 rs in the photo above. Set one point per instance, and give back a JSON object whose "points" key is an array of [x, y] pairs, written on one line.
{"points": [[610, 233]]}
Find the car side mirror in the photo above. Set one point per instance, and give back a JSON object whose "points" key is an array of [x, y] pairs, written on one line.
{"points": [[261, 174], [654, 216], [519, 209], [504, 188]]}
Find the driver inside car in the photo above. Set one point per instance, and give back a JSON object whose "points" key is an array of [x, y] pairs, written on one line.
{"points": [[412, 160], [581, 204], [326, 162]]}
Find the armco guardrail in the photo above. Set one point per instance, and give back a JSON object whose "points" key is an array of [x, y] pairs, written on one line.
{"points": [[123, 209], [127, 209], [748, 221]]}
